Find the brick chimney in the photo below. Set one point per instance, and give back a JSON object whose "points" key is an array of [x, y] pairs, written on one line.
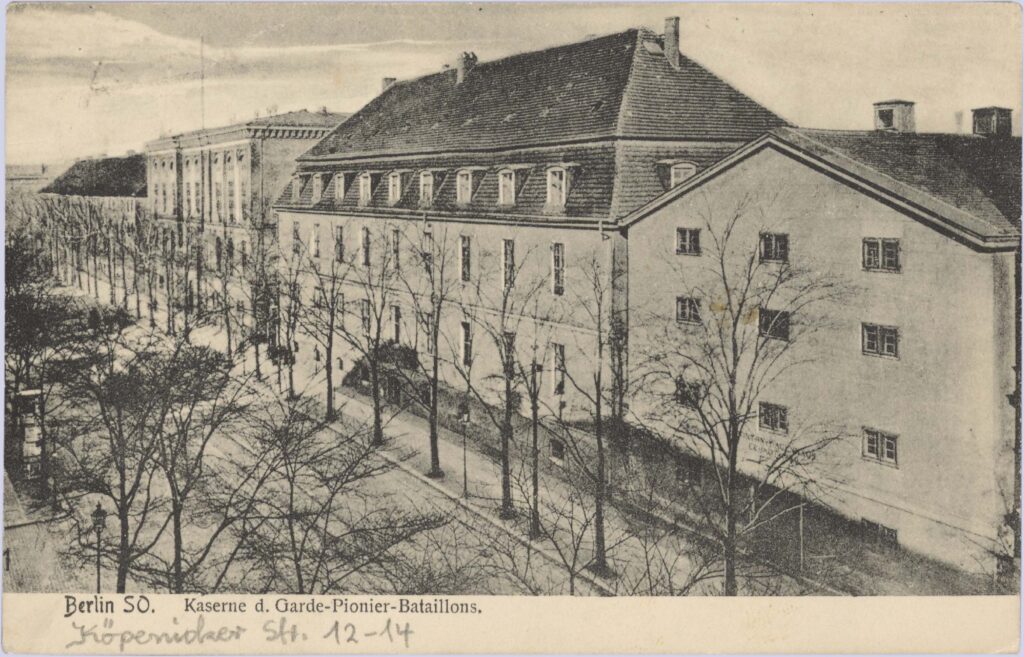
{"points": [[992, 121], [387, 82], [671, 43], [894, 115], [464, 65]]}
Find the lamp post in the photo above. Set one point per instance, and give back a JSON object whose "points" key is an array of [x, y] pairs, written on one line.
{"points": [[99, 519], [464, 421]]}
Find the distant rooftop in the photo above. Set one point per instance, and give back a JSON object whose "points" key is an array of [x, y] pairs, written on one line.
{"points": [[110, 176]]}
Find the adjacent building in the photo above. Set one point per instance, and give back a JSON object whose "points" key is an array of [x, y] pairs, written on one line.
{"points": [[214, 186]]}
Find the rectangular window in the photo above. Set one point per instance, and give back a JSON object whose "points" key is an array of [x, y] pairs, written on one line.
{"points": [[296, 188], [879, 340], [774, 247], [364, 315], [556, 187], [426, 188], [508, 262], [467, 345], [774, 324], [365, 189], [881, 254], [231, 201], [428, 252], [218, 198], [394, 188], [318, 297], [396, 249], [196, 197], [688, 310], [188, 198], [428, 321], [396, 324], [318, 187], [463, 187], [506, 187], [366, 246], [558, 269], [773, 417], [243, 200], [557, 448], [316, 240], [339, 244], [245, 255], [688, 241], [508, 356], [296, 240], [558, 368], [465, 255], [880, 446], [688, 393], [879, 534]]}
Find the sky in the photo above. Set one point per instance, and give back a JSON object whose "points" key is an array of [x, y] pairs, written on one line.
{"points": [[90, 79]]}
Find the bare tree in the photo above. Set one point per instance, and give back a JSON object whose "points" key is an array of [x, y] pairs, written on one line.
{"points": [[706, 370]]}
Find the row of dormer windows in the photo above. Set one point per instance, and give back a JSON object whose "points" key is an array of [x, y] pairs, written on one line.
{"points": [[510, 181]]}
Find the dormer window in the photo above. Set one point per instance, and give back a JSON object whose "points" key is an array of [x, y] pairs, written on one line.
{"points": [[339, 186], [296, 188], [464, 187], [506, 187], [365, 189], [426, 188], [682, 171], [558, 187], [318, 188], [394, 188]]}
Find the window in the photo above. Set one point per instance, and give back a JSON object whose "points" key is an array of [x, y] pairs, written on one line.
{"points": [[688, 393], [394, 188], [558, 368], [688, 241], [557, 187], [774, 247], [218, 198], [427, 252], [396, 323], [318, 187], [364, 315], [428, 321], [467, 345], [463, 187], [465, 255], [558, 269], [880, 340], [245, 255], [773, 324], [879, 534], [508, 262], [366, 246], [231, 254], [231, 200], [557, 449], [218, 252], [318, 297], [885, 118], [426, 188], [243, 201], [396, 248], [339, 244], [316, 240], [506, 187], [773, 417], [881, 255], [195, 206], [296, 240], [880, 446], [365, 189], [508, 355], [681, 172], [188, 198], [688, 310]]}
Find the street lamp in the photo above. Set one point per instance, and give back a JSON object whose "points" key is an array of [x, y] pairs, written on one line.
{"points": [[99, 519]]}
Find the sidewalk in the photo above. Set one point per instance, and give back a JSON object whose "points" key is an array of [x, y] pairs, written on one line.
{"points": [[409, 433], [31, 562]]}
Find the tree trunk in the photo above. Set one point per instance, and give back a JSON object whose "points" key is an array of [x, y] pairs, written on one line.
{"points": [[534, 422], [110, 271], [378, 425], [179, 583], [731, 538], [329, 369], [435, 455], [122, 550], [600, 558], [507, 510]]}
